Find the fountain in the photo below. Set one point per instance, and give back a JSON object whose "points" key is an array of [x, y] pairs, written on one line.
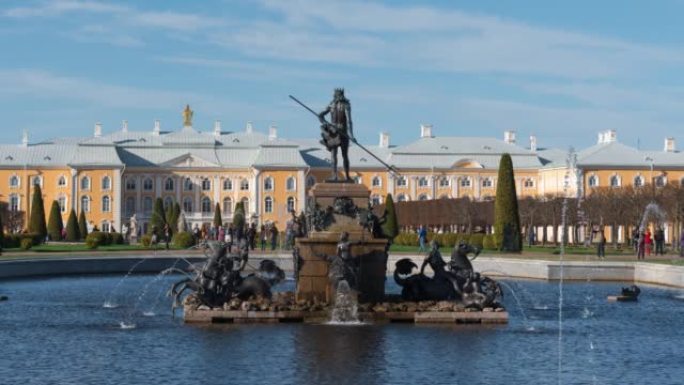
{"points": [[342, 261]]}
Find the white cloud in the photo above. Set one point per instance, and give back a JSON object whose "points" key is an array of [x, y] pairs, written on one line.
{"points": [[59, 7]]}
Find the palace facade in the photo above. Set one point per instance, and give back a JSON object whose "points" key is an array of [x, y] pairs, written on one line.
{"points": [[113, 176]]}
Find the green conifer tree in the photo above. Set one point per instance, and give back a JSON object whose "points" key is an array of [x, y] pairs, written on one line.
{"points": [[72, 232], [218, 221], [506, 216], [239, 219], [391, 227], [37, 223], [55, 224], [158, 220], [82, 225]]}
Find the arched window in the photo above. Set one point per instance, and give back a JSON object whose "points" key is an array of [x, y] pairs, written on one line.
{"points": [[106, 183], [169, 184], [423, 197], [85, 183], [614, 181], [268, 205], [168, 202], [37, 181], [465, 181], [227, 206], [62, 202], [130, 206], [206, 184], [375, 200], [593, 181], [444, 182], [187, 204], [638, 181], [85, 203], [358, 180], [147, 205], [14, 181], [206, 205], [14, 204], [105, 227], [528, 183], [291, 204], [188, 185], [268, 184], [227, 184], [310, 181], [244, 184], [290, 184], [402, 181], [148, 184], [61, 181], [401, 198], [487, 182], [106, 203], [245, 204], [376, 181], [660, 181], [130, 184], [423, 182]]}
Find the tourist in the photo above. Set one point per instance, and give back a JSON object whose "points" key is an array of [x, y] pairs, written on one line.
{"points": [[422, 237], [153, 238], [274, 236], [681, 244], [221, 234], [196, 234], [531, 238], [289, 231], [641, 245], [648, 241], [167, 235], [601, 245], [659, 238], [264, 236], [635, 238], [251, 236]]}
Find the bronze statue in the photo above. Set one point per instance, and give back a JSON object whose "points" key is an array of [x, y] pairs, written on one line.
{"points": [[339, 131]]}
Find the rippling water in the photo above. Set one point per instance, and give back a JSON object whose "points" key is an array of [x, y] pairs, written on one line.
{"points": [[57, 331]]}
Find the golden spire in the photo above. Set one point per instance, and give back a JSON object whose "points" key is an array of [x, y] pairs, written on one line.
{"points": [[187, 116]]}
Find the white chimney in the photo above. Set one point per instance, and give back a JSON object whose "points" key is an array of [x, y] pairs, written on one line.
{"points": [[601, 138], [98, 130], [25, 139], [272, 132], [249, 128], [426, 130], [124, 126], [217, 128], [670, 145], [509, 136], [533, 143], [384, 140], [610, 136], [157, 128]]}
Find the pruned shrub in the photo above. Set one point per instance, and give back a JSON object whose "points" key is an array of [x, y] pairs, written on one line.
{"points": [[26, 244], [94, 240], [489, 242], [183, 240], [146, 240]]}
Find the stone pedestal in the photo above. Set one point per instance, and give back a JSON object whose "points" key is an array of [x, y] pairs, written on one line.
{"points": [[313, 282]]}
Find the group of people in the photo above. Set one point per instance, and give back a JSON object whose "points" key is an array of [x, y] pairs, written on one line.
{"points": [[643, 242], [226, 233]]}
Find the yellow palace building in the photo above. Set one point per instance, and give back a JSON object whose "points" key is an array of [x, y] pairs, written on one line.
{"points": [[117, 175]]}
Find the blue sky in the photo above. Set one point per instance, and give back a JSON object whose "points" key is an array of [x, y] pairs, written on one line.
{"points": [[560, 70]]}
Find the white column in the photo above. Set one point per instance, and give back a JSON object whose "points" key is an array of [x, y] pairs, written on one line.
{"points": [[301, 190], [74, 190], [138, 194], [158, 186], [217, 191], [478, 187], [455, 182], [433, 180], [413, 182], [390, 184], [197, 181], [254, 193], [117, 190], [179, 185]]}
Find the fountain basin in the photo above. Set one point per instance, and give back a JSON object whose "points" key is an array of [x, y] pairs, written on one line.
{"points": [[280, 310]]}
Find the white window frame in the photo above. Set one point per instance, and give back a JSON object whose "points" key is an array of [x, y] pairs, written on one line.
{"points": [[202, 203], [169, 184], [423, 181], [86, 203], [14, 178], [108, 185], [131, 184], [227, 184], [106, 204], [151, 186], [268, 183], [60, 179], [85, 181], [268, 205], [291, 184], [206, 184], [376, 181], [291, 204], [244, 184]]}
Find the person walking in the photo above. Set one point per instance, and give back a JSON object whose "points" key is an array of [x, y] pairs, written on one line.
{"points": [[648, 241], [641, 245], [167, 235], [263, 234], [681, 244], [274, 236], [422, 238], [659, 238], [601, 245], [251, 236], [531, 238]]}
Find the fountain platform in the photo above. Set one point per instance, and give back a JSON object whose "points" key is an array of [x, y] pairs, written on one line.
{"points": [[277, 311]]}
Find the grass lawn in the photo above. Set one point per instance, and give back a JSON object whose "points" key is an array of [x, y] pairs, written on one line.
{"points": [[80, 247]]}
